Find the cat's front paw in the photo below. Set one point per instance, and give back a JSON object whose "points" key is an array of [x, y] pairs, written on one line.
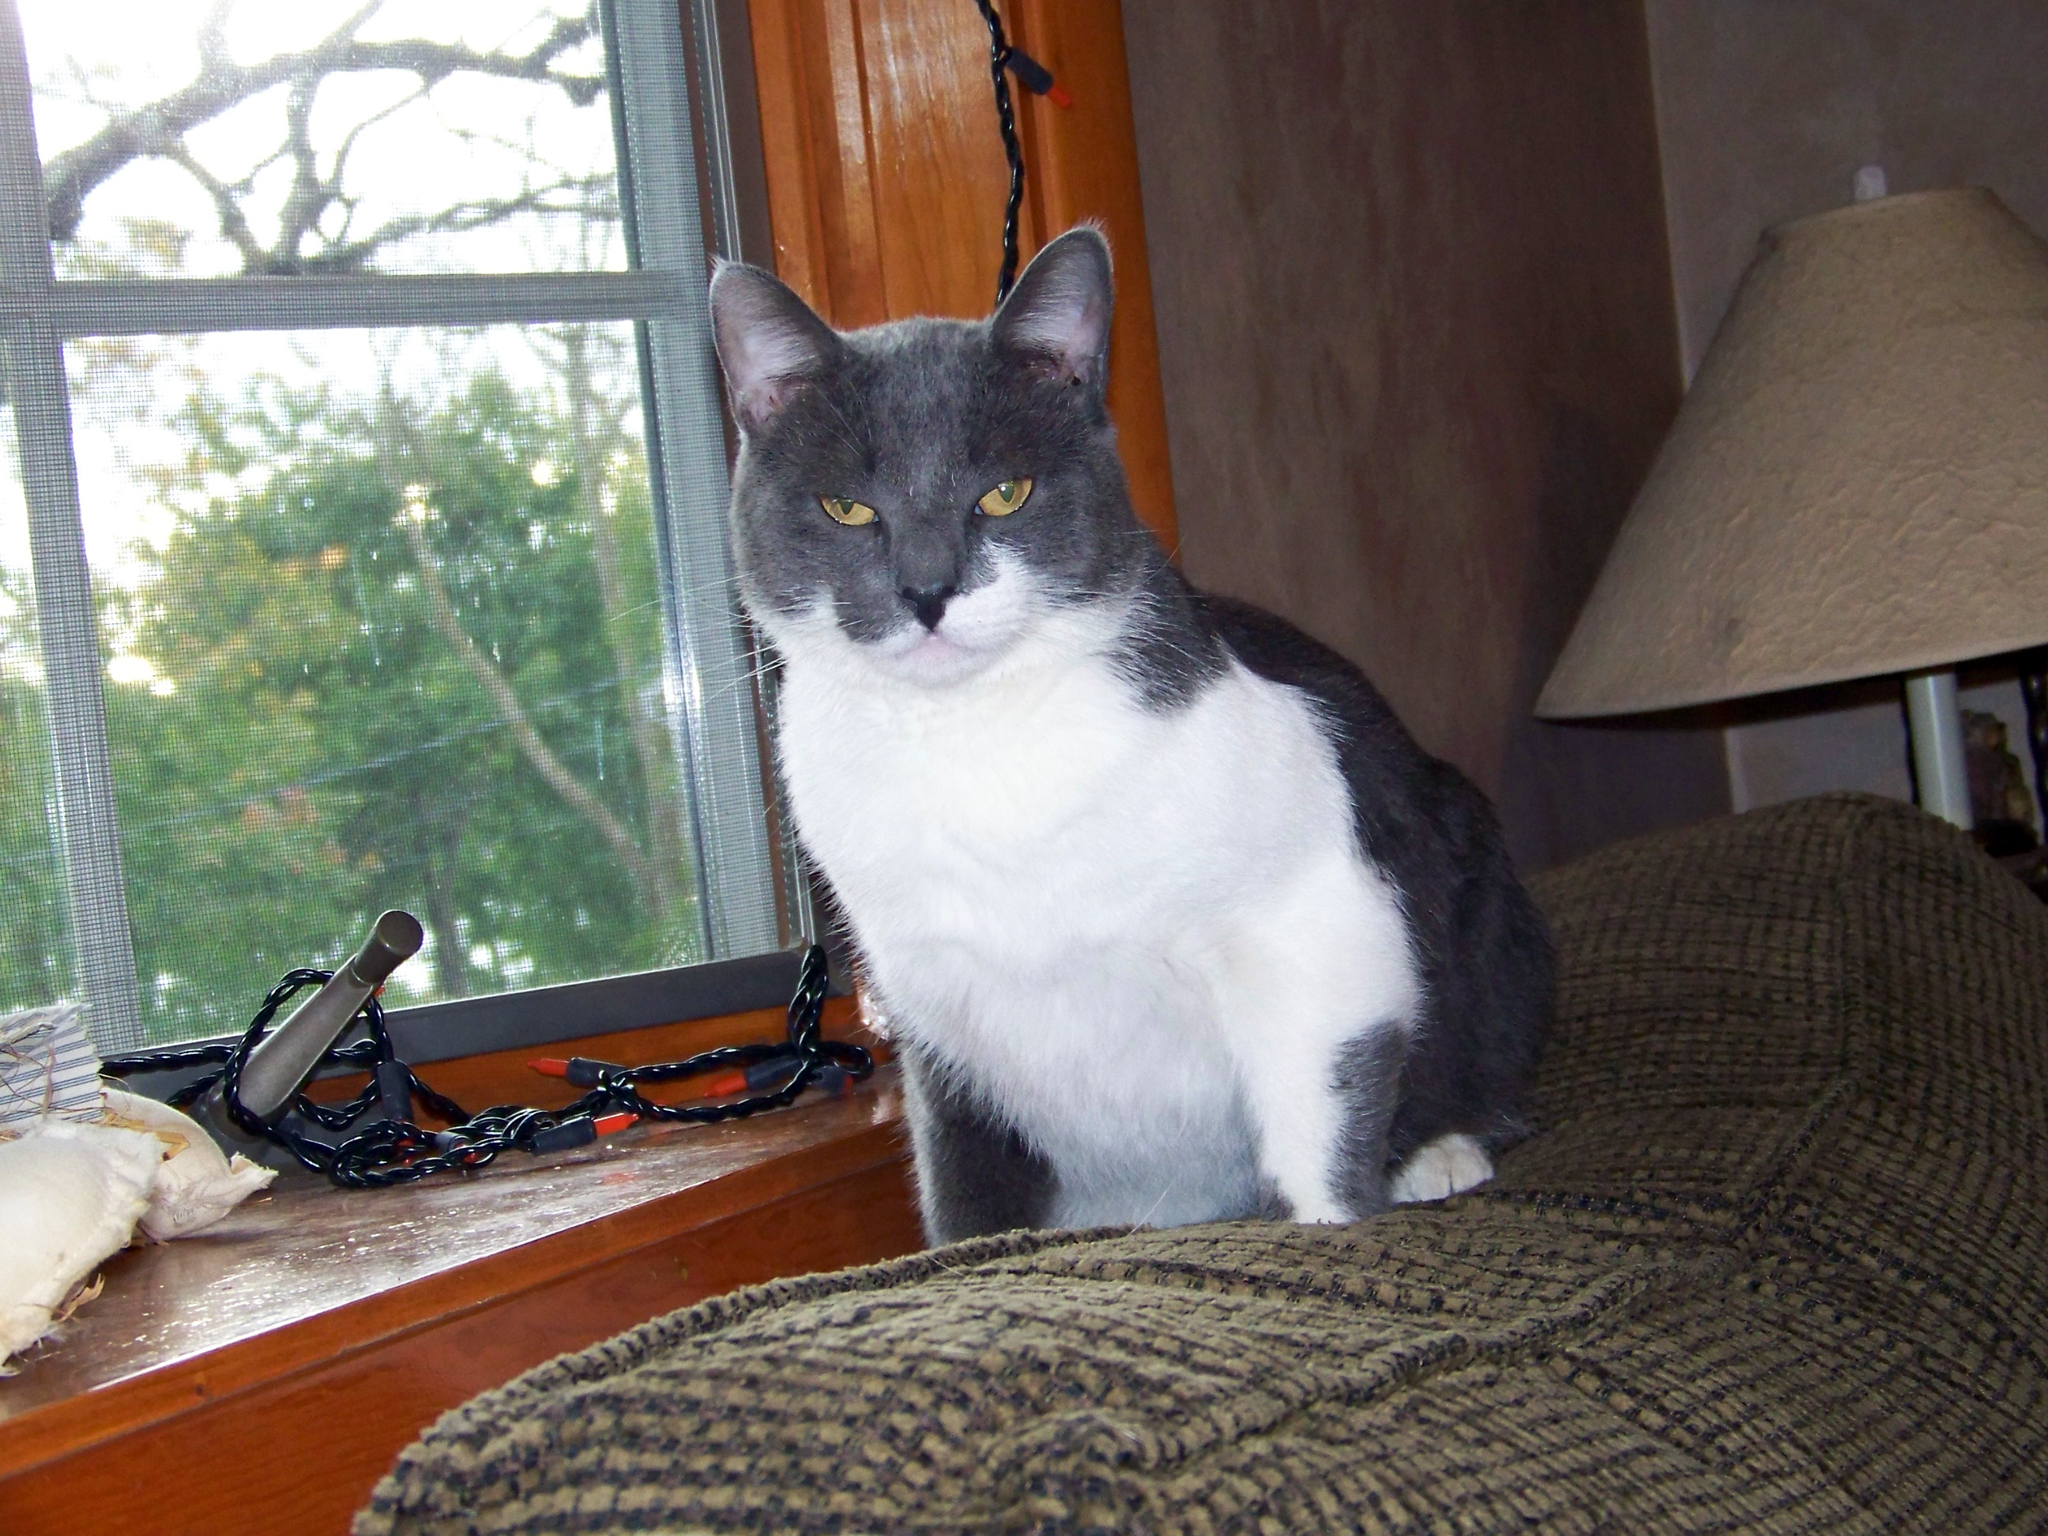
{"points": [[1448, 1166]]}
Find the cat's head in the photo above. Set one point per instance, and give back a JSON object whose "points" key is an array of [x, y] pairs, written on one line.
{"points": [[928, 496]]}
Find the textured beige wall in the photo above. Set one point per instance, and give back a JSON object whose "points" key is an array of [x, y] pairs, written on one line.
{"points": [[1416, 332], [1767, 108], [1765, 112]]}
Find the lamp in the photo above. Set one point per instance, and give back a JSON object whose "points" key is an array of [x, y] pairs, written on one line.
{"points": [[1855, 486]]}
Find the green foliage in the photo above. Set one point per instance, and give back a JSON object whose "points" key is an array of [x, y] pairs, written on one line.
{"points": [[323, 736], [35, 955]]}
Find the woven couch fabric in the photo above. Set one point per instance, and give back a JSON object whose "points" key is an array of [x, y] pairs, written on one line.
{"points": [[1775, 1260]]}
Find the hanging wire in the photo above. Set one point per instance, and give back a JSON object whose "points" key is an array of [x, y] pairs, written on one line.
{"points": [[999, 57]]}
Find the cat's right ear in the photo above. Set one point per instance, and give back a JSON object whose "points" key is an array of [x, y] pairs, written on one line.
{"points": [[1058, 314], [769, 342]]}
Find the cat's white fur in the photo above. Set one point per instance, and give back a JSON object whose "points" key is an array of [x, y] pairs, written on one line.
{"points": [[1146, 935]]}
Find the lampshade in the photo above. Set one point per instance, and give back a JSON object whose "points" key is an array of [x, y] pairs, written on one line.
{"points": [[1857, 482]]}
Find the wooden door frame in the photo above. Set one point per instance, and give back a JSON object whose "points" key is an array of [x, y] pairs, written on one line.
{"points": [[885, 174]]}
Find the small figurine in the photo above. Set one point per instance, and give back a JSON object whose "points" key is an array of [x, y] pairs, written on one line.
{"points": [[1998, 784]]}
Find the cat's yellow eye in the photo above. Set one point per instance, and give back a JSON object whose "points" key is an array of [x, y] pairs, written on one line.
{"points": [[1005, 498], [843, 509]]}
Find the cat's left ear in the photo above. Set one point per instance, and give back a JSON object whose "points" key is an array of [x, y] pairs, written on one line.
{"points": [[1059, 312], [769, 341]]}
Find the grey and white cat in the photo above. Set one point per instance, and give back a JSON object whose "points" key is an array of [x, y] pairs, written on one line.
{"points": [[1168, 917]]}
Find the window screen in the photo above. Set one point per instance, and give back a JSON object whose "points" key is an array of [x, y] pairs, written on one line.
{"points": [[362, 527]]}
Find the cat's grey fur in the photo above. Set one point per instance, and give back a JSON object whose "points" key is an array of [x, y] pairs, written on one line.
{"points": [[1168, 916]]}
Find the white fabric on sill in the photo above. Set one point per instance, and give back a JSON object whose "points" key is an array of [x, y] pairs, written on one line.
{"points": [[198, 1183], [70, 1195], [82, 1164]]}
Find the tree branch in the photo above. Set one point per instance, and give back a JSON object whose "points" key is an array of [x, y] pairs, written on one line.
{"points": [[308, 196], [350, 256], [234, 228], [71, 176], [513, 713], [586, 412]]}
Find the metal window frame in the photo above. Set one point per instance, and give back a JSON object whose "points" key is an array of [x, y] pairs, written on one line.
{"points": [[669, 85]]}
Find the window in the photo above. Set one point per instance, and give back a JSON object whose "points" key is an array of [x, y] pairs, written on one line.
{"points": [[362, 534]]}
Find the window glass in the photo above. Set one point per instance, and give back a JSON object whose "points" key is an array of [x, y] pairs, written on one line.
{"points": [[382, 628], [317, 137], [355, 593], [35, 944]]}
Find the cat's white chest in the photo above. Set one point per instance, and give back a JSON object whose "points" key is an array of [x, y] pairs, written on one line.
{"points": [[992, 817], [1085, 906]]}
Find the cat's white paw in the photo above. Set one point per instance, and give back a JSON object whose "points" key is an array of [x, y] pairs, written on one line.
{"points": [[1320, 1213], [1448, 1166]]}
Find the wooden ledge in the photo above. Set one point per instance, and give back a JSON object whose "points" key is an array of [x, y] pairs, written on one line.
{"points": [[262, 1376]]}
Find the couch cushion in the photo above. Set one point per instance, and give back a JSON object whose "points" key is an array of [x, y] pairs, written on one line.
{"points": [[1774, 1260]]}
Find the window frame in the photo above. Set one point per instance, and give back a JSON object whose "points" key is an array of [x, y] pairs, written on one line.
{"points": [[693, 188]]}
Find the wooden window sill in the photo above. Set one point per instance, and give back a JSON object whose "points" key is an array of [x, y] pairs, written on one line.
{"points": [[260, 1377]]}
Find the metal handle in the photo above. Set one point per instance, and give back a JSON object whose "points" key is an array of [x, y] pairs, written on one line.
{"points": [[285, 1058]]}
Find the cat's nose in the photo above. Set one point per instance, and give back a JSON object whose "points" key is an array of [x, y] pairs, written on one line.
{"points": [[928, 603]]}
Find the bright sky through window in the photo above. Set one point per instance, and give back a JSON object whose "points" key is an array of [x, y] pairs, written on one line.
{"points": [[528, 159], [534, 169]]}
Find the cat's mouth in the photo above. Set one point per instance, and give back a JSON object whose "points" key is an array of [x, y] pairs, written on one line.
{"points": [[975, 630], [940, 655]]}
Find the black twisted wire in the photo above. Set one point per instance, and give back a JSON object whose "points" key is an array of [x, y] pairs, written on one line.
{"points": [[1006, 119], [398, 1151]]}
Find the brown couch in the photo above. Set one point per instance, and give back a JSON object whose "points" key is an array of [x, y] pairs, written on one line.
{"points": [[1776, 1260]]}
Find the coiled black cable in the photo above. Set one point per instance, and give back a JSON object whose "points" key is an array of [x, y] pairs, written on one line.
{"points": [[393, 1149]]}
